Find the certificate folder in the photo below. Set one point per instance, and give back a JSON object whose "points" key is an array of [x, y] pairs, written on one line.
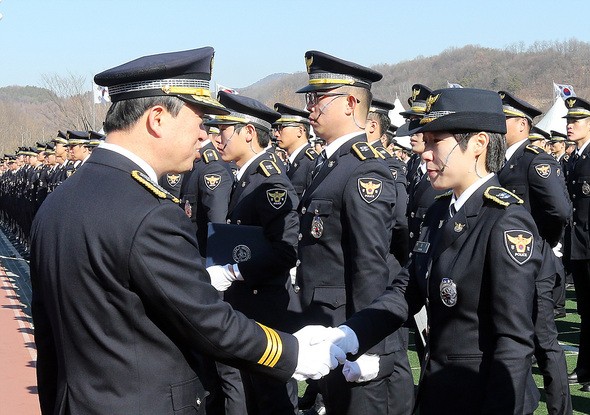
{"points": [[232, 244]]}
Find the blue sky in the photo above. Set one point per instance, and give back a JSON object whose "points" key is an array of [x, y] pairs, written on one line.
{"points": [[254, 39]]}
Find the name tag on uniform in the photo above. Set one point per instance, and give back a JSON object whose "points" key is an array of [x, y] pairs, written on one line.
{"points": [[421, 247]]}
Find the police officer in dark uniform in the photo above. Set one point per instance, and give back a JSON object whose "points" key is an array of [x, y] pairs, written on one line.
{"points": [[577, 237], [119, 325], [473, 268], [292, 134], [263, 196], [537, 179], [346, 220]]}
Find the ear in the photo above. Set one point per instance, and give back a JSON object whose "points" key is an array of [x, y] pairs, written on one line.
{"points": [[351, 103], [250, 132], [155, 118], [480, 142], [299, 132], [371, 126]]}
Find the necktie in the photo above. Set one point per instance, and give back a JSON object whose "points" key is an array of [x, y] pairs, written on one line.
{"points": [[452, 210], [319, 162]]}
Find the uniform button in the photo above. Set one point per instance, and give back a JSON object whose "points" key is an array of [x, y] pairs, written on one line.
{"points": [[412, 214], [255, 292], [574, 209], [296, 289], [317, 212], [300, 236], [574, 223], [198, 402], [410, 255], [574, 196], [303, 210], [573, 182], [238, 222], [411, 234], [228, 221], [298, 263]]}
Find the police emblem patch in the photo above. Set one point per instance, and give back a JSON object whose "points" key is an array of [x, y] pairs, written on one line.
{"points": [[586, 189], [212, 181], [543, 170], [241, 253], [369, 189], [448, 292], [317, 227], [188, 209], [276, 197], [458, 227], [519, 244], [173, 179]]}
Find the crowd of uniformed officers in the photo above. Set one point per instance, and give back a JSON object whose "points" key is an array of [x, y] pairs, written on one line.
{"points": [[467, 236]]}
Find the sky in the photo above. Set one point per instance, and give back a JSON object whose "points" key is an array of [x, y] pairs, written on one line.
{"points": [[253, 39]]}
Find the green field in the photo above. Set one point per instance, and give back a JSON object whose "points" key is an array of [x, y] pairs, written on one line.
{"points": [[568, 328]]}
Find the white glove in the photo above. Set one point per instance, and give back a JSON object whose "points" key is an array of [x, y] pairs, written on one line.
{"points": [[315, 360], [557, 250], [343, 337], [364, 369], [223, 276]]}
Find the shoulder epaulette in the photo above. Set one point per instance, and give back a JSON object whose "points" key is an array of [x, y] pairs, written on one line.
{"points": [[311, 153], [269, 167], [534, 149], [445, 194], [209, 156], [383, 152], [155, 188], [502, 196], [364, 151]]}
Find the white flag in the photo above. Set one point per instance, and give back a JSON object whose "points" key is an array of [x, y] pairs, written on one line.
{"points": [[101, 94], [450, 85], [563, 91]]}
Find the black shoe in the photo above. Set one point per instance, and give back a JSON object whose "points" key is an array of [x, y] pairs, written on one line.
{"points": [[578, 376], [585, 387], [558, 314]]}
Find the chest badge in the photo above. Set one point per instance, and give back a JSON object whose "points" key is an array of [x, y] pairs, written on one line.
{"points": [[586, 189], [519, 244], [448, 292], [276, 197], [212, 181], [188, 209], [317, 227], [459, 227]]}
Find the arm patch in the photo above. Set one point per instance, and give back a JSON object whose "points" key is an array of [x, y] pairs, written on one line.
{"points": [[155, 188]]}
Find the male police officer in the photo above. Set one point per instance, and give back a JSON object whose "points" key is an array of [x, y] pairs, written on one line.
{"points": [[346, 220], [117, 324], [536, 177]]}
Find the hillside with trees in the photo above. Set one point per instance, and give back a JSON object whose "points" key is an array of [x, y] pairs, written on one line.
{"points": [[64, 102]]}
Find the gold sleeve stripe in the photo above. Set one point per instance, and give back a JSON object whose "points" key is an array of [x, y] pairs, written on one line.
{"points": [[274, 348]]}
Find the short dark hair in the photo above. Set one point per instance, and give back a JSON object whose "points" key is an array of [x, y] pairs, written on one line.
{"points": [[383, 120], [496, 148], [122, 115], [262, 136]]}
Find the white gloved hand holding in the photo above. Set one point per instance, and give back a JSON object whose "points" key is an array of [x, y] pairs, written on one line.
{"points": [[343, 337], [315, 359], [364, 369], [223, 276], [557, 250]]}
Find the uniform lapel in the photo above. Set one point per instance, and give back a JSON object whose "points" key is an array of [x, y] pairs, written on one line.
{"points": [[242, 184]]}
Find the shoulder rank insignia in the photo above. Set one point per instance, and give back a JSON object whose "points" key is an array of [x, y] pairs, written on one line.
{"points": [[445, 194], [364, 151], [543, 170], [534, 149], [155, 188], [212, 181], [269, 168], [519, 244], [383, 152], [276, 197], [209, 156], [173, 179], [502, 196], [274, 347], [311, 153], [369, 189]]}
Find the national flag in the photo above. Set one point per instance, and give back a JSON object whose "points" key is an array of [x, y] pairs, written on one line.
{"points": [[563, 91], [101, 94], [450, 85], [226, 89]]}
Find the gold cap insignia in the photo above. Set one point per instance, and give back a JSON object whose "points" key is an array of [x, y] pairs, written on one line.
{"points": [[415, 93], [502, 96], [308, 62], [431, 100], [570, 102]]}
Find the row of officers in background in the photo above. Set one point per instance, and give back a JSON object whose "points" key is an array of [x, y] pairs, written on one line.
{"points": [[29, 175]]}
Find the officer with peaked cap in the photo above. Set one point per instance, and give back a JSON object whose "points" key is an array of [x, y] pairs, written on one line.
{"points": [[473, 268], [346, 220], [558, 145], [136, 299], [577, 246], [263, 196], [292, 134], [537, 179]]}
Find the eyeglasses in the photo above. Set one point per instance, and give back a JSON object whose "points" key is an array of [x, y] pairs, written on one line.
{"points": [[312, 98], [279, 127]]}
